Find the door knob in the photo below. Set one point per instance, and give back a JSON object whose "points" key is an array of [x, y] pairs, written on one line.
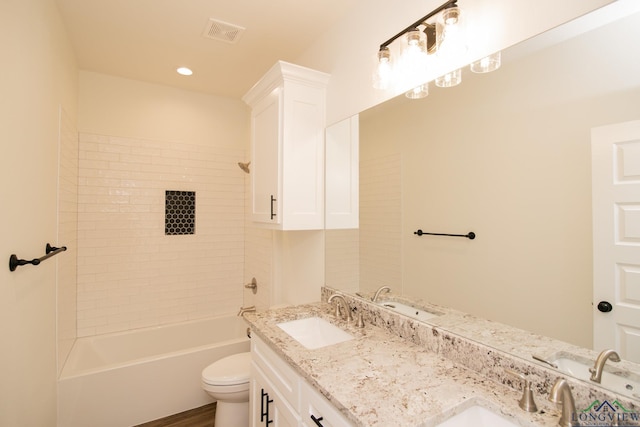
{"points": [[605, 306]]}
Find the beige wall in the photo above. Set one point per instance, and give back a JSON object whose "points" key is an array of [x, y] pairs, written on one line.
{"points": [[38, 78], [122, 107], [507, 155]]}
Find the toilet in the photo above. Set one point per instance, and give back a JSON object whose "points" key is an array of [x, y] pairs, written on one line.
{"points": [[227, 381]]}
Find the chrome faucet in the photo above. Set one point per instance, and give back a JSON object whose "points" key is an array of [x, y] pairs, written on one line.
{"points": [[379, 291], [561, 393], [342, 301], [244, 310], [598, 367]]}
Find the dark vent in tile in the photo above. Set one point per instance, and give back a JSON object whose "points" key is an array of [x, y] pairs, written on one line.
{"points": [[180, 212]]}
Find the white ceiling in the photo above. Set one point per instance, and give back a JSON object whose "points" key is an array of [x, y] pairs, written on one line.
{"points": [[148, 39]]}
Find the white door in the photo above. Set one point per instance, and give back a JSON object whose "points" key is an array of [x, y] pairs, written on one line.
{"points": [[615, 153]]}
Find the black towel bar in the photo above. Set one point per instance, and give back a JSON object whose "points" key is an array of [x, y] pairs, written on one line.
{"points": [[470, 235], [14, 262]]}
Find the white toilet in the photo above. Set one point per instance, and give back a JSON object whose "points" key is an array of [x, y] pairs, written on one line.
{"points": [[227, 381]]}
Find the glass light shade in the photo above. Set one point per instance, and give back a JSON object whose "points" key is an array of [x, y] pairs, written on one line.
{"points": [[487, 64], [412, 63], [416, 41], [382, 71], [418, 92], [450, 35], [451, 79]]}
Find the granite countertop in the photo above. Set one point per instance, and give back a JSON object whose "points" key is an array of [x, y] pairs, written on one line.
{"points": [[380, 379]]}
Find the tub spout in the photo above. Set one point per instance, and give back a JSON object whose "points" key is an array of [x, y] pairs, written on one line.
{"points": [[244, 310]]}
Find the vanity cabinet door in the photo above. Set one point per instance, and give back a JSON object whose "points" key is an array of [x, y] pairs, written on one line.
{"points": [[268, 407], [316, 410]]}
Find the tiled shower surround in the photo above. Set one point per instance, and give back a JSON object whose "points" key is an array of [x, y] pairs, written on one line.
{"points": [[132, 275]]}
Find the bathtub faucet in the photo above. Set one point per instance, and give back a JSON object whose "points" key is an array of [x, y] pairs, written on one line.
{"points": [[244, 310]]}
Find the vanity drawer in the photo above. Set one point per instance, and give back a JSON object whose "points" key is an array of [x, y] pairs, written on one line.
{"points": [[281, 375], [312, 403]]}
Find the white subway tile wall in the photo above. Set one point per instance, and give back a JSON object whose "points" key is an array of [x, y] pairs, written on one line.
{"points": [[380, 222], [342, 258], [132, 275]]}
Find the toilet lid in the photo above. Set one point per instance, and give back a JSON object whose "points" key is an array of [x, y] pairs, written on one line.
{"points": [[229, 370]]}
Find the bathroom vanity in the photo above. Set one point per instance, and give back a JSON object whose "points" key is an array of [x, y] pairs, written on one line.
{"points": [[280, 395], [396, 371]]}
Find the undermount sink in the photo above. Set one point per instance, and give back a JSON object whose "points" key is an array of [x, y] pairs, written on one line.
{"points": [[578, 367], [477, 416], [407, 310], [314, 332]]}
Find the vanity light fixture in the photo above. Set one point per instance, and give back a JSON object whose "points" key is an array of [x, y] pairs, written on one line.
{"points": [[184, 71], [445, 37]]}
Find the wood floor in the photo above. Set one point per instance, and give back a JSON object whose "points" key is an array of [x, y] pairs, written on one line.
{"points": [[198, 417]]}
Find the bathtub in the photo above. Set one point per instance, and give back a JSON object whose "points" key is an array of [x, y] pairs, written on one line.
{"points": [[128, 378]]}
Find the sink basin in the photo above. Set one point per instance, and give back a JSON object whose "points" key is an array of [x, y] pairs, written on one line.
{"points": [[314, 332], [579, 368], [477, 416], [407, 310]]}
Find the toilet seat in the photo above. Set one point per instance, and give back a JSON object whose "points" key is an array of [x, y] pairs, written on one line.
{"points": [[229, 371]]}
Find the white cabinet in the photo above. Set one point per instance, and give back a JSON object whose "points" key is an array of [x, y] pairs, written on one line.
{"points": [[342, 174], [279, 397], [287, 141]]}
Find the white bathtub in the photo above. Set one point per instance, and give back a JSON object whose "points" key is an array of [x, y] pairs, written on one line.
{"points": [[128, 378]]}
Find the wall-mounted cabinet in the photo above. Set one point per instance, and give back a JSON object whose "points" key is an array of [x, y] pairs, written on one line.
{"points": [[287, 144]]}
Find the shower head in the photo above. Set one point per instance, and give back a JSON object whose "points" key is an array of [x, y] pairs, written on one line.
{"points": [[244, 166]]}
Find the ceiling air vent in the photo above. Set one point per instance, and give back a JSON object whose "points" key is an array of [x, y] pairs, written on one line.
{"points": [[219, 30]]}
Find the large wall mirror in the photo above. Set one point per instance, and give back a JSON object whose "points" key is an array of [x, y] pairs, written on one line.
{"points": [[506, 155]]}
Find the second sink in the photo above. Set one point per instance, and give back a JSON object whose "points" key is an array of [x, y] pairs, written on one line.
{"points": [[407, 310], [578, 367]]}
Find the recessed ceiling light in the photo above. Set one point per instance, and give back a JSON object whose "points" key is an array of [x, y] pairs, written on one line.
{"points": [[184, 71]]}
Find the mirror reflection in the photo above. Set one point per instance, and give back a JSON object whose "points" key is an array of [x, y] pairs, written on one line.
{"points": [[506, 155]]}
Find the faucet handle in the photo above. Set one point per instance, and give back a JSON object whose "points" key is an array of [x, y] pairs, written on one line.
{"points": [[526, 402], [360, 321]]}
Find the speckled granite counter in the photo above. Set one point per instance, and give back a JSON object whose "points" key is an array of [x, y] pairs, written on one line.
{"points": [[381, 379]]}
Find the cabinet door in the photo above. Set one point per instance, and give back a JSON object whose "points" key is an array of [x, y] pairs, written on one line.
{"points": [[303, 157], [268, 407], [266, 157]]}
